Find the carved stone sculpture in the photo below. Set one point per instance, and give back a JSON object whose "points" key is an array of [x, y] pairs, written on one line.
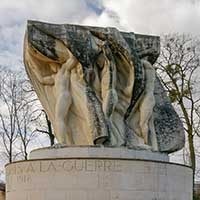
{"points": [[99, 86]]}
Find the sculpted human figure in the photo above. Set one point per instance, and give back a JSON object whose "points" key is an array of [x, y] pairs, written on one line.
{"points": [[61, 81], [141, 118], [109, 94], [115, 91], [63, 100], [146, 106], [108, 85], [107, 80]]}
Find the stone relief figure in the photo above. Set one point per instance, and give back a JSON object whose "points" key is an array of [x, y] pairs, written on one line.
{"points": [[64, 75], [60, 79], [143, 112], [98, 86], [147, 105]]}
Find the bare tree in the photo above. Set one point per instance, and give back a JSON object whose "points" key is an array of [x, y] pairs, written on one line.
{"points": [[43, 124], [9, 106], [26, 127], [18, 114], [47, 129], [178, 68]]}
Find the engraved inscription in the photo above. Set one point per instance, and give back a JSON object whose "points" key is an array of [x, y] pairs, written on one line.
{"points": [[68, 165], [23, 173], [109, 179], [23, 179]]}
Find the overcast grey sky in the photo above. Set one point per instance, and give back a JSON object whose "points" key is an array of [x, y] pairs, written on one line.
{"points": [[141, 16]]}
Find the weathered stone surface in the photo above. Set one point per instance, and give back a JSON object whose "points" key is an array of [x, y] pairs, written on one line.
{"points": [[97, 152], [168, 126], [89, 178], [108, 82]]}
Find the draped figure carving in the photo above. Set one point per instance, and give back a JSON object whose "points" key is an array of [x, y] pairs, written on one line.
{"points": [[97, 85]]}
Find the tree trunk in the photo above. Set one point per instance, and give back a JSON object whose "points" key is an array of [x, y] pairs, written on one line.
{"points": [[192, 152], [10, 152], [25, 153], [50, 131]]}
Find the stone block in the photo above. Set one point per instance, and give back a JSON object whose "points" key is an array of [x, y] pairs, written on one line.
{"points": [[97, 178]]}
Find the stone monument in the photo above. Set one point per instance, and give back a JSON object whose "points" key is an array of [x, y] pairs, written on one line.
{"points": [[113, 122]]}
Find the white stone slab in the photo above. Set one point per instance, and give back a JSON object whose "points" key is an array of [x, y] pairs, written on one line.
{"points": [[97, 152], [96, 178]]}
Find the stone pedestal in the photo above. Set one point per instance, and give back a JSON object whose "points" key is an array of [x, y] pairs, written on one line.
{"points": [[2, 195], [2, 191], [89, 173]]}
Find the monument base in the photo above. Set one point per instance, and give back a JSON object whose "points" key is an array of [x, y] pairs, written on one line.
{"points": [[97, 173]]}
